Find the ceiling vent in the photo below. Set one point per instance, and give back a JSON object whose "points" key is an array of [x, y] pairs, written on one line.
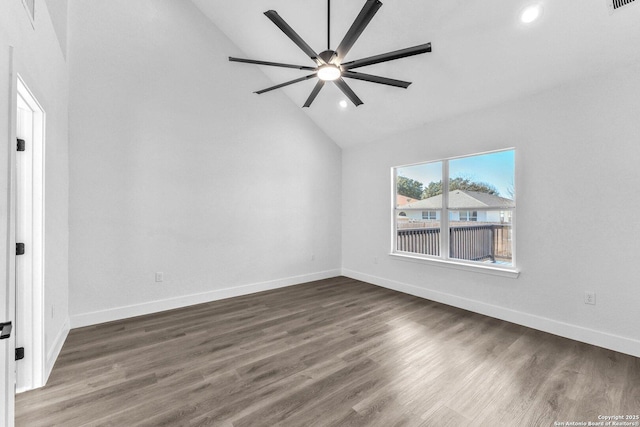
{"points": [[617, 4]]}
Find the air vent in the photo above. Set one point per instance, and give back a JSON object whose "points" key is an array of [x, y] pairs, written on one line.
{"points": [[617, 4]]}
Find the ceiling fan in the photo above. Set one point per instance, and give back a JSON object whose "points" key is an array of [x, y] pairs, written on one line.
{"points": [[330, 65]]}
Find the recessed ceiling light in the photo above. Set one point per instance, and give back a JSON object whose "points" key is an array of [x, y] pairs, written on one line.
{"points": [[343, 104], [531, 13]]}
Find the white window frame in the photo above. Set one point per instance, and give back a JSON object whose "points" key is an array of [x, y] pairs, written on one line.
{"points": [[468, 214], [428, 215], [443, 259]]}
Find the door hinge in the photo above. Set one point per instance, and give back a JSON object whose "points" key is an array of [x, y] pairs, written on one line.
{"points": [[5, 330], [19, 353], [19, 248], [21, 144]]}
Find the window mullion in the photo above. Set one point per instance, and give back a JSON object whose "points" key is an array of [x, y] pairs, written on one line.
{"points": [[444, 216], [394, 214]]}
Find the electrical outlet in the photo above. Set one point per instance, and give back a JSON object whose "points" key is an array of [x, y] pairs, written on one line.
{"points": [[159, 276], [590, 298], [313, 257], [375, 259]]}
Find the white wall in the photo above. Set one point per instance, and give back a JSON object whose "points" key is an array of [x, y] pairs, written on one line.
{"points": [[39, 61], [577, 151], [59, 14], [176, 166]]}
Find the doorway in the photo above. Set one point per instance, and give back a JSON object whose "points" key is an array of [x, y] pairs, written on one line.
{"points": [[29, 230]]}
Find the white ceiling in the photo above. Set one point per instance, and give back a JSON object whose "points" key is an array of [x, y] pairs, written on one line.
{"points": [[482, 54]]}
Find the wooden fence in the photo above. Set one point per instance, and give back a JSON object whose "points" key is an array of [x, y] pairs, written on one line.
{"points": [[470, 242]]}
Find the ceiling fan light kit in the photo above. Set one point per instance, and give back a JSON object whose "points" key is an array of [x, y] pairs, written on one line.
{"points": [[329, 73], [329, 64]]}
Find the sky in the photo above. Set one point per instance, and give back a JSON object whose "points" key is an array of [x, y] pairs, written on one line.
{"points": [[497, 169]]}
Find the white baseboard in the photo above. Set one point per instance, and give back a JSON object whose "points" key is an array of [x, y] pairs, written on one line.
{"points": [[54, 351], [118, 313], [574, 332]]}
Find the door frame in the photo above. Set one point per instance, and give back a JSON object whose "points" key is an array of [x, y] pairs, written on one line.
{"points": [[29, 327], [7, 349]]}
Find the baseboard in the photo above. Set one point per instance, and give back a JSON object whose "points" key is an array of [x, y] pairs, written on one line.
{"points": [[54, 351], [118, 313], [574, 332]]}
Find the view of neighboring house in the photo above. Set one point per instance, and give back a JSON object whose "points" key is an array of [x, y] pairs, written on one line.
{"points": [[468, 205], [404, 200]]}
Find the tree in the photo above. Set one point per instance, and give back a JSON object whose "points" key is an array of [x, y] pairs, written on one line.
{"points": [[433, 189], [409, 187], [459, 183], [511, 190]]}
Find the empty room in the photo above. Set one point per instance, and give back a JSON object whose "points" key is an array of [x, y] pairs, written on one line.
{"points": [[320, 213]]}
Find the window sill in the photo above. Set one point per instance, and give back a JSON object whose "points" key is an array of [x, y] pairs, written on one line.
{"points": [[484, 269]]}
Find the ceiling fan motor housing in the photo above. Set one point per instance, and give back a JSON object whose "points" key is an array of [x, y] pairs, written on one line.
{"points": [[327, 55]]}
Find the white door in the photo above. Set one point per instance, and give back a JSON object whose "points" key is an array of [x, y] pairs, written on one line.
{"points": [[24, 178], [22, 290], [29, 220]]}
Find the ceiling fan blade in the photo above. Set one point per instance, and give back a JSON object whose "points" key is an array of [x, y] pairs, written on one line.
{"points": [[344, 87], [276, 19], [375, 79], [301, 79], [314, 93], [272, 64], [389, 56], [362, 20]]}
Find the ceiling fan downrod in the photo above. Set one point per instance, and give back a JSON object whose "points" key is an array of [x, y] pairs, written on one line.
{"points": [[328, 24]]}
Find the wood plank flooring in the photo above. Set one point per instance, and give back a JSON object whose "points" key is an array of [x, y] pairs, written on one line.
{"points": [[335, 352]]}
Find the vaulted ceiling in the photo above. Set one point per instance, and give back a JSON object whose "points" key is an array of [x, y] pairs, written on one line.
{"points": [[482, 54]]}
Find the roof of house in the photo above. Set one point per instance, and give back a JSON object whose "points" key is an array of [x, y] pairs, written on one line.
{"points": [[460, 199], [403, 200]]}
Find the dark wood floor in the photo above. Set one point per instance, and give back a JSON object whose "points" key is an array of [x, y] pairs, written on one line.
{"points": [[336, 352]]}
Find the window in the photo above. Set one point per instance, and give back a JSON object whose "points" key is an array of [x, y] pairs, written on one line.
{"points": [[429, 215], [468, 220], [466, 216]]}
